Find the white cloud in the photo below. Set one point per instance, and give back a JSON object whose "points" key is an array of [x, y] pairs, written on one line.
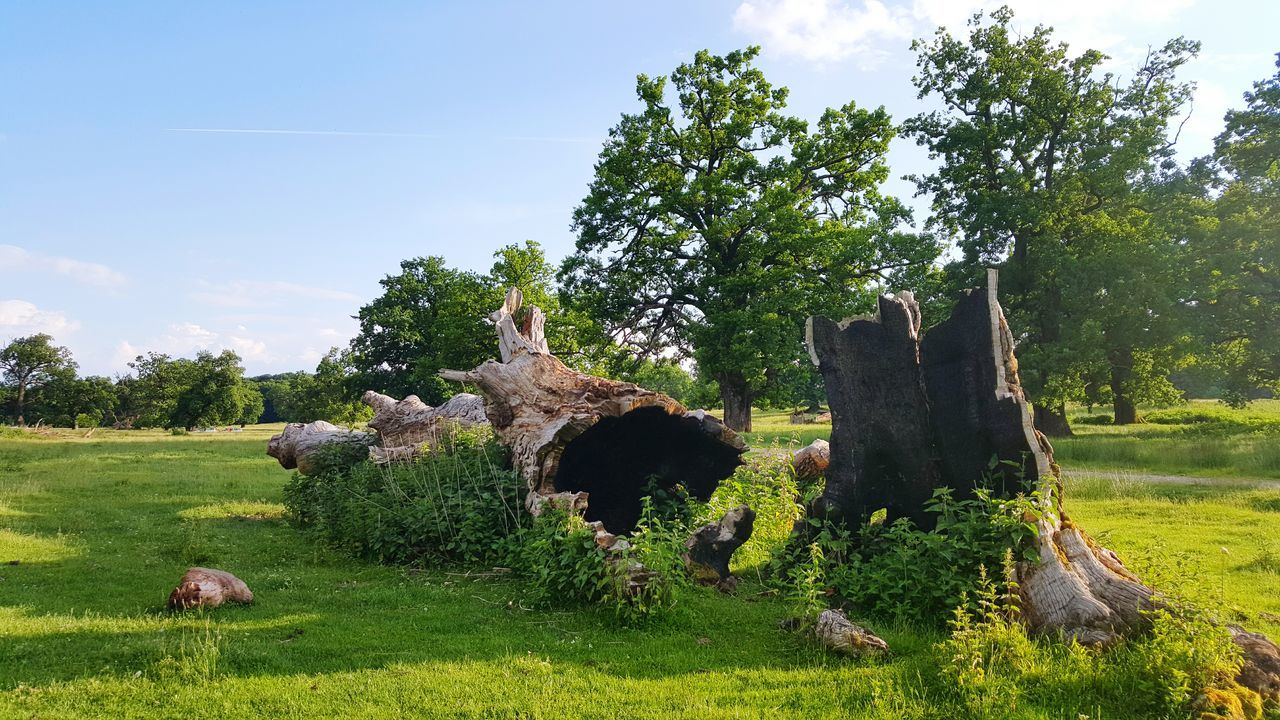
{"points": [[255, 294], [19, 317], [16, 259], [823, 31], [185, 339]]}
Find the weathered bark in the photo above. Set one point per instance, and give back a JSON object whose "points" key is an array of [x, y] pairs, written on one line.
{"points": [[735, 391], [572, 434], [1261, 669], [406, 426], [298, 445], [811, 461], [882, 453], [708, 550], [206, 587]]}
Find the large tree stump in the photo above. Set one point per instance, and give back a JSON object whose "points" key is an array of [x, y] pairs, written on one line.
{"points": [[578, 438], [910, 416]]}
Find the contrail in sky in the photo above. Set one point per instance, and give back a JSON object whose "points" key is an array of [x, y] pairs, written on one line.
{"points": [[361, 133]]}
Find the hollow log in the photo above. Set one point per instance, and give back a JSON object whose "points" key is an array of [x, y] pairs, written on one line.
{"points": [[297, 445], [584, 441], [207, 587]]}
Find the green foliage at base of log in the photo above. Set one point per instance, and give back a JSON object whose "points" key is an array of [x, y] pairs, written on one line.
{"points": [[901, 572]]}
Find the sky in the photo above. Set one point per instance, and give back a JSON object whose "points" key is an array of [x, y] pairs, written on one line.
{"points": [[186, 176]]}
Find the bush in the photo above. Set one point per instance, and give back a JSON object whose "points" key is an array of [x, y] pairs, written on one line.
{"points": [[464, 506], [1215, 419], [870, 568], [566, 566], [560, 556], [459, 506]]}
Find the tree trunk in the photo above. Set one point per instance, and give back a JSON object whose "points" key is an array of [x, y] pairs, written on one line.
{"points": [[20, 402], [912, 415], [1051, 420], [736, 394], [1125, 413], [584, 442]]}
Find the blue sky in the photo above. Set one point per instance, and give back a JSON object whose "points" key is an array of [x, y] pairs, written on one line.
{"points": [[141, 208]]}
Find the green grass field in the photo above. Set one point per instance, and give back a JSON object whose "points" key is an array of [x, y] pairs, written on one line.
{"points": [[97, 530]]}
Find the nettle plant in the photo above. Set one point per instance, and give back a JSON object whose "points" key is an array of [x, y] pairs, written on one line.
{"points": [[565, 565], [874, 567]]}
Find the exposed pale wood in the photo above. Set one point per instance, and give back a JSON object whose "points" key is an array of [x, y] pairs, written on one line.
{"points": [[811, 461], [297, 445], [837, 633], [570, 432], [207, 587]]}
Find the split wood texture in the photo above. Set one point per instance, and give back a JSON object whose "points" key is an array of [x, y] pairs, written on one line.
{"points": [[835, 631]]}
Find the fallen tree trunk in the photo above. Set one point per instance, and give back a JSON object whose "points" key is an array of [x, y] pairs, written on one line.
{"points": [[811, 461], [300, 444], [406, 426], [582, 440], [403, 428]]}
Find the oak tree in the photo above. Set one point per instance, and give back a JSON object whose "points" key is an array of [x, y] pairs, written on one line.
{"points": [[716, 224]]}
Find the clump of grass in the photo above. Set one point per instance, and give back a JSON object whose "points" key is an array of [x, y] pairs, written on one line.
{"points": [[1264, 501], [1107, 486], [1215, 419], [235, 510], [1267, 560], [196, 657]]}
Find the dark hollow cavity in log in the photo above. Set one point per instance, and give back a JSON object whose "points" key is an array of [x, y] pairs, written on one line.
{"points": [[620, 460]]}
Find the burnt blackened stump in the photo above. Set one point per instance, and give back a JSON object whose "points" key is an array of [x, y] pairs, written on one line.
{"points": [[975, 403], [619, 460], [882, 453]]}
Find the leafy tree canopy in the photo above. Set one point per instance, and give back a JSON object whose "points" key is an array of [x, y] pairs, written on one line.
{"points": [[28, 363], [1047, 167], [715, 223]]}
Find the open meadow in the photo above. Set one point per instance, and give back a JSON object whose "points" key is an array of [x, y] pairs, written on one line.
{"points": [[95, 531]]}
